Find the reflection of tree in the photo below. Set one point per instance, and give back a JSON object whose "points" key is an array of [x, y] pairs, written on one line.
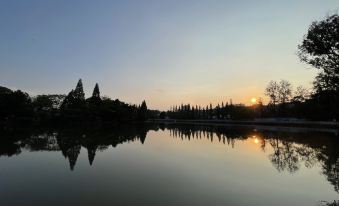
{"points": [[307, 155], [10, 141], [289, 153], [69, 144], [98, 139], [72, 155], [324, 151], [45, 141], [70, 140], [331, 171], [285, 156], [9, 149], [91, 150], [291, 150], [325, 203], [330, 162], [263, 145], [220, 134]]}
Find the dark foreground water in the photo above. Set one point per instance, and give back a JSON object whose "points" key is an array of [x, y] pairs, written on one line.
{"points": [[168, 165]]}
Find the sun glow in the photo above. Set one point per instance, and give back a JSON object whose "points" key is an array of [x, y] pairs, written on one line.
{"points": [[256, 140], [253, 100]]}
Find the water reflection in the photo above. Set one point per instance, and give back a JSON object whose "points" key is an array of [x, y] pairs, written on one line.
{"points": [[289, 149], [69, 141]]}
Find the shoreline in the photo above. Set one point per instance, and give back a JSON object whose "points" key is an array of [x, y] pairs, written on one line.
{"points": [[297, 124]]}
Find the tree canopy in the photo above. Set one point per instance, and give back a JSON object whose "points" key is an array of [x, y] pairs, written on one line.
{"points": [[17, 105], [96, 92], [75, 98], [320, 48], [79, 93]]}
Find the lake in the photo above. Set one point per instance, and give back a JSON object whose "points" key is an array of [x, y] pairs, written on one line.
{"points": [[168, 165]]}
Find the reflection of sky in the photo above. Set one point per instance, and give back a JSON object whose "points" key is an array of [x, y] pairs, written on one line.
{"points": [[167, 52], [165, 170]]}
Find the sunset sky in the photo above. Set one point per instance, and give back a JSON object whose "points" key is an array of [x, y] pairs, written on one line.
{"points": [[166, 52]]}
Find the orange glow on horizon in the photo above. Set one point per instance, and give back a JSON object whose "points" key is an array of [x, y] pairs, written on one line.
{"points": [[254, 100]]}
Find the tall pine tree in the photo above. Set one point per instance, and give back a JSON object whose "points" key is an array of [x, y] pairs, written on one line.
{"points": [[75, 98], [142, 112], [79, 93], [95, 99], [96, 91]]}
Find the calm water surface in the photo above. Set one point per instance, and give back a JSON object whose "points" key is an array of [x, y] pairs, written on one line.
{"points": [[168, 165]]}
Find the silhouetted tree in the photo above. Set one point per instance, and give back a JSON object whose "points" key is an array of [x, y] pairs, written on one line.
{"points": [[96, 92], [42, 102], [4, 90], [301, 94], [284, 91], [15, 105], [95, 99], [320, 48], [272, 91], [142, 112], [73, 106], [79, 91]]}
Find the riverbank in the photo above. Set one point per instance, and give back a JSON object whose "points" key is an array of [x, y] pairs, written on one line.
{"points": [[261, 122]]}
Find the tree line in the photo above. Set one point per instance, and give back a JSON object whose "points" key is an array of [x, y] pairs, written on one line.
{"points": [[226, 110], [320, 49], [18, 106]]}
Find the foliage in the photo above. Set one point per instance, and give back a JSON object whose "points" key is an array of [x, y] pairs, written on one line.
{"points": [[17, 105], [320, 48], [142, 111], [301, 94], [75, 100], [221, 111], [325, 203], [279, 92], [272, 90], [96, 92], [284, 92]]}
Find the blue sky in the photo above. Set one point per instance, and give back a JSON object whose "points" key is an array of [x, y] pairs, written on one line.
{"points": [[166, 52]]}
